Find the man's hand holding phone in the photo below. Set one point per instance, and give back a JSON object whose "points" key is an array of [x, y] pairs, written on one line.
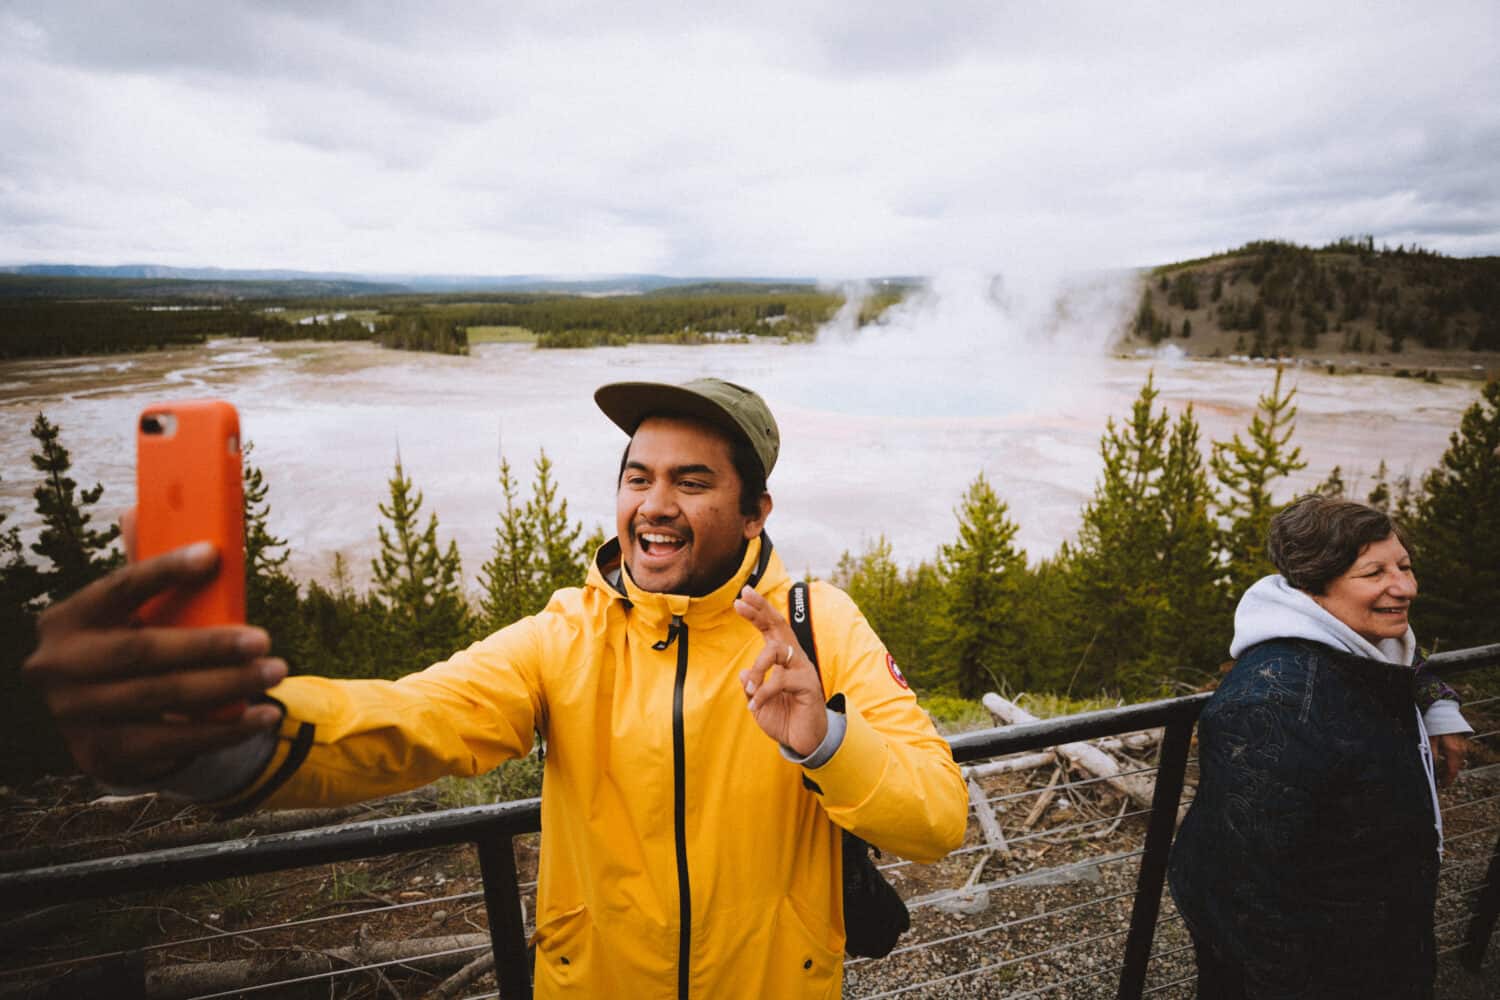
{"points": [[131, 699], [153, 666]]}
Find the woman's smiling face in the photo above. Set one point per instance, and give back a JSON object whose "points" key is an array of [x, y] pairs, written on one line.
{"points": [[1375, 593]]}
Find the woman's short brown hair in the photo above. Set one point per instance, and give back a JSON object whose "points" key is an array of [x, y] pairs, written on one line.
{"points": [[1315, 539]]}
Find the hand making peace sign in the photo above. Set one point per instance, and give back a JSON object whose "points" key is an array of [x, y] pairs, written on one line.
{"points": [[783, 688]]}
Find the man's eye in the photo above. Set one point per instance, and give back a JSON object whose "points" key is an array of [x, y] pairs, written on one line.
{"points": [[693, 484]]}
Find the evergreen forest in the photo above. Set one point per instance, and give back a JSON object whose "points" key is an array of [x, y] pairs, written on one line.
{"points": [[1138, 605], [1275, 299], [47, 323]]}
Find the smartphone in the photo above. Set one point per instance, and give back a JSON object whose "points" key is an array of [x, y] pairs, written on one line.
{"points": [[189, 489]]}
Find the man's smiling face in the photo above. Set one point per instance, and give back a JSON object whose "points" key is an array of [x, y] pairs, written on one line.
{"points": [[677, 510]]}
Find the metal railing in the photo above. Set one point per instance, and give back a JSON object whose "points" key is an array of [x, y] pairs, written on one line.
{"points": [[491, 829]]}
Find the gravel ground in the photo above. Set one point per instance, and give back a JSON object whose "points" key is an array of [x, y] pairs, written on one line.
{"points": [[1051, 919]]}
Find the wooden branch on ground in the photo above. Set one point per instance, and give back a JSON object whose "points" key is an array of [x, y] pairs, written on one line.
{"points": [[987, 822], [1134, 742], [1020, 762], [1043, 800], [178, 982], [1081, 755], [464, 978]]}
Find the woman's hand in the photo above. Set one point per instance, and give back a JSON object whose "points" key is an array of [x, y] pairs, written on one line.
{"points": [[1449, 752], [784, 690]]}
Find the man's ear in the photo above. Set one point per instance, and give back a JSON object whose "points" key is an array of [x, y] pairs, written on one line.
{"points": [[755, 525]]}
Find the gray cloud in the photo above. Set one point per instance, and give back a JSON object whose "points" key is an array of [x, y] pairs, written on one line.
{"points": [[822, 137]]}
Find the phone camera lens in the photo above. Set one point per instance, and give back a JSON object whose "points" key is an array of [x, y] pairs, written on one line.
{"points": [[151, 425]]}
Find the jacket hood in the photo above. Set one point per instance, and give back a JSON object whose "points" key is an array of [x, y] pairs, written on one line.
{"points": [[1274, 609], [760, 567]]}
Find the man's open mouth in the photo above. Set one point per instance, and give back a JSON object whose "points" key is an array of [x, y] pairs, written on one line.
{"points": [[659, 543], [1392, 611]]}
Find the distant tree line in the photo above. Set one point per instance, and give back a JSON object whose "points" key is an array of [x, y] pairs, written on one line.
{"points": [[62, 328], [1139, 604], [39, 327], [637, 317]]}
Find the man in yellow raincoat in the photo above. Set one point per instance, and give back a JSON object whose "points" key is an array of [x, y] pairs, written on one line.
{"points": [[683, 854]]}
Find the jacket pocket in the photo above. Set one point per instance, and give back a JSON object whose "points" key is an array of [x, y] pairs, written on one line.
{"points": [[563, 946], [811, 960]]}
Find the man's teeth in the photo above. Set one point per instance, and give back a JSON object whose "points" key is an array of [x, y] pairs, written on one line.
{"points": [[656, 539]]}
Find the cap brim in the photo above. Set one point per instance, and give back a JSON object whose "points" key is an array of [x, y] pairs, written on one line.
{"points": [[628, 403]]}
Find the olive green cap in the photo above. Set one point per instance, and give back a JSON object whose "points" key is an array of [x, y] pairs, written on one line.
{"points": [[732, 408]]}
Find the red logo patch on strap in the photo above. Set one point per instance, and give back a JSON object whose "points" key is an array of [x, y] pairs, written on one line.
{"points": [[896, 675]]}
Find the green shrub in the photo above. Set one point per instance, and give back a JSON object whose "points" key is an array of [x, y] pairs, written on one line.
{"points": [[1050, 706], [515, 779], [955, 715]]}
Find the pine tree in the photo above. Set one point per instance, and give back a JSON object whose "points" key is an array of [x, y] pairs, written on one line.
{"points": [[20, 586], [1191, 631], [1333, 486], [536, 551], [983, 573], [1144, 601], [417, 584], [341, 633], [1380, 491], [271, 599], [507, 593], [904, 608], [1245, 472], [78, 554], [1456, 533], [560, 560], [873, 581], [29, 741], [591, 544]]}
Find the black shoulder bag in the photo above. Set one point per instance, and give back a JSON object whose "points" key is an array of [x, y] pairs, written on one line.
{"points": [[874, 913]]}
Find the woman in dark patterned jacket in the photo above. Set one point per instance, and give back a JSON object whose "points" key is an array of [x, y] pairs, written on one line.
{"points": [[1307, 865]]}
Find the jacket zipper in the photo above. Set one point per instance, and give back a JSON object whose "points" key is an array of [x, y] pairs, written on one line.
{"points": [[677, 632]]}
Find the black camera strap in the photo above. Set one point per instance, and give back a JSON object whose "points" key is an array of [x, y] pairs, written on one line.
{"points": [[874, 913]]}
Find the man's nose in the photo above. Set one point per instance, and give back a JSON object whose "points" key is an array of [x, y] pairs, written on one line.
{"points": [[659, 502]]}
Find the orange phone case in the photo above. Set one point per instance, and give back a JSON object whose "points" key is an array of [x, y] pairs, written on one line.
{"points": [[189, 489]]}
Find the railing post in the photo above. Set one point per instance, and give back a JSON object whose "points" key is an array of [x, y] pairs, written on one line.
{"points": [[1153, 872], [502, 899], [1486, 910]]}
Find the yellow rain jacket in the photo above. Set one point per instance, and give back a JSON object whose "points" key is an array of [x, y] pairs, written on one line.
{"points": [[681, 855]]}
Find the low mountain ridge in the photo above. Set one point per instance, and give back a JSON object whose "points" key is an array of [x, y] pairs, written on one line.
{"points": [[1275, 299]]}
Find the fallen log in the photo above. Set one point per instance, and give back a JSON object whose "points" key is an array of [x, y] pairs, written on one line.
{"points": [[461, 980], [438, 955], [1084, 756], [1020, 762]]}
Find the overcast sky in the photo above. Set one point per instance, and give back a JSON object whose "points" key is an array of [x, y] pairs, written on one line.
{"points": [[826, 139]]}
